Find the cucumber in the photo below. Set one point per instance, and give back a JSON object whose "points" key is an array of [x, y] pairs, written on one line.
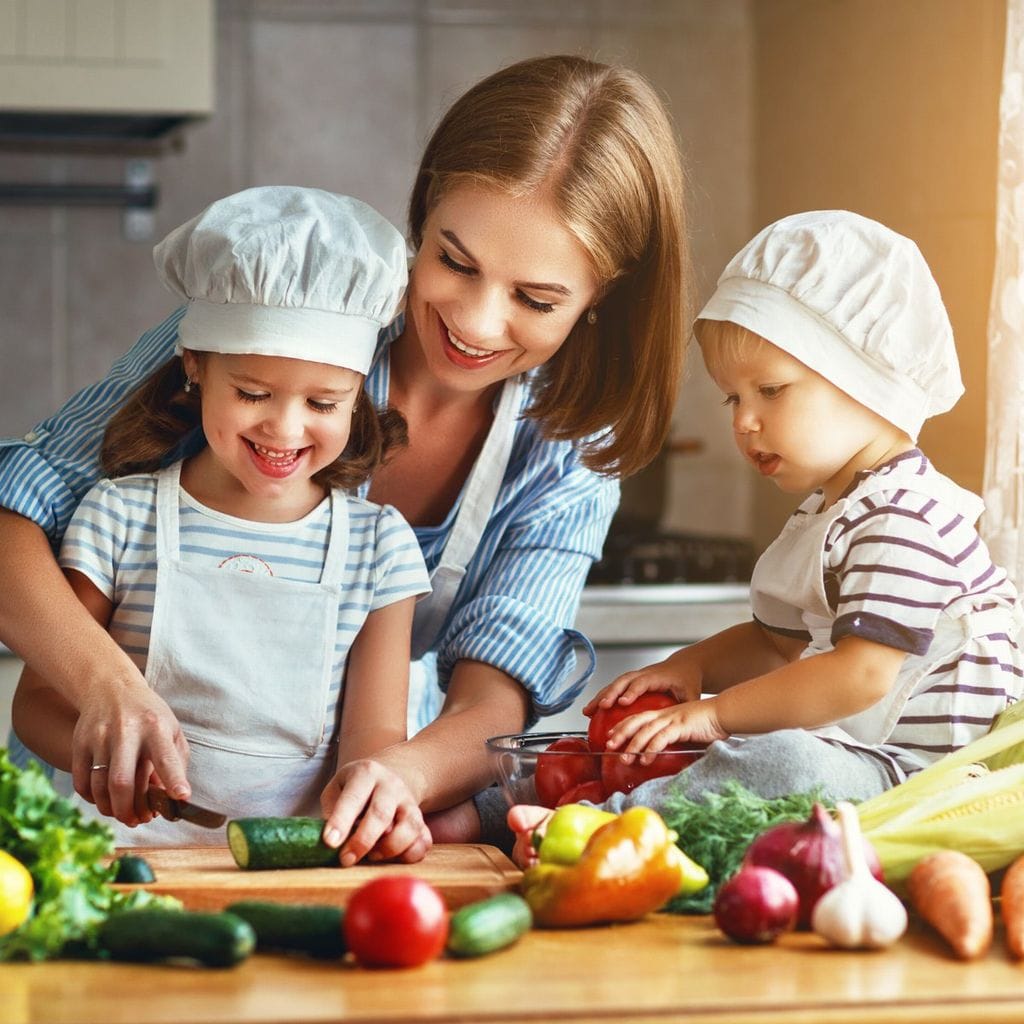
{"points": [[133, 870], [299, 928], [488, 925], [265, 843], [150, 934]]}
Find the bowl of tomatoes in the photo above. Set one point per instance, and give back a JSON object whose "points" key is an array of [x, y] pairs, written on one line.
{"points": [[552, 769]]}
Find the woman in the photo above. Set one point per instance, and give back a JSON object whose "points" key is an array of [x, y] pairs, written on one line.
{"points": [[537, 363]]}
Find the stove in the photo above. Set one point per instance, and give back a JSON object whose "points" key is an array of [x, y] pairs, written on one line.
{"points": [[659, 557]]}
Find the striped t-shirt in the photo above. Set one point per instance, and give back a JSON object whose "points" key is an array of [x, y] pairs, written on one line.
{"points": [[896, 563], [112, 540]]}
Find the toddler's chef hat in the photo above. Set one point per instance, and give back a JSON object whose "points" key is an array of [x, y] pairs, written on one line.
{"points": [[855, 302], [283, 271]]}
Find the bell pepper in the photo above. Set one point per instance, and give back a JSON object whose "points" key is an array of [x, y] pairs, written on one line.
{"points": [[568, 831], [629, 867]]}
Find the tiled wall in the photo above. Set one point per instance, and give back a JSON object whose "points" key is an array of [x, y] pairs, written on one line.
{"points": [[342, 94]]}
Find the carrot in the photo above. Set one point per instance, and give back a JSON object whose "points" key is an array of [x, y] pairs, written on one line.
{"points": [[1011, 899], [952, 893]]}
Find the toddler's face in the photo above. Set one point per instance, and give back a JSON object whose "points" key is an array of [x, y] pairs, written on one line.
{"points": [[794, 426]]}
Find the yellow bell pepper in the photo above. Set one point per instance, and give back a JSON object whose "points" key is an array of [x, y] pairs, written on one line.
{"points": [[629, 867]]}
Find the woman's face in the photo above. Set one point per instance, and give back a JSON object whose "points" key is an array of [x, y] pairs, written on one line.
{"points": [[496, 287]]}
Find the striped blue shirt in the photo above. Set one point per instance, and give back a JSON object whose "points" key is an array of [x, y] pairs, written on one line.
{"points": [[517, 604], [112, 541]]}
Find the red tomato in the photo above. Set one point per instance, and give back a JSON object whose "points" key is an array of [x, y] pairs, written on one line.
{"points": [[592, 791], [605, 719], [564, 764], [396, 921], [621, 778]]}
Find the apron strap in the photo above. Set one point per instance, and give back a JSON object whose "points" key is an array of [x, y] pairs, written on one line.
{"points": [[167, 538], [337, 544]]}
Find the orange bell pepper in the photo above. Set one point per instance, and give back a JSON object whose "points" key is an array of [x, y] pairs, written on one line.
{"points": [[629, 867]]}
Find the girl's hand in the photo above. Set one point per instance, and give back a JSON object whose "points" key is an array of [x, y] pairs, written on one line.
{"points": [[137, 738], [648, 732], [370, 807], [680, 680]]}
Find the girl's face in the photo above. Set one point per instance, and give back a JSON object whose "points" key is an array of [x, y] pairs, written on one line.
{"points": [[496, 287], [797, 428], [271, 424]]}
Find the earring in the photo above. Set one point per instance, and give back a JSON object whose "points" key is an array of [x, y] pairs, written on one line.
{"points": [[188, 385], [591, 316]]}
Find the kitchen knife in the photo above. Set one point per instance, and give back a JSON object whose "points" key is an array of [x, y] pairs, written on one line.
{"points": [[181, 810]]}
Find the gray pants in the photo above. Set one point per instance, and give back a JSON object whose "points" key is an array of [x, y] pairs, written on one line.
{"points": [[771, 764]]}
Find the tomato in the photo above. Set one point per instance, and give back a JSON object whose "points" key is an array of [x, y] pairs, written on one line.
{"points": [[605, 719], [621, 778], [564, 764], [396, 921], [593, 790]]}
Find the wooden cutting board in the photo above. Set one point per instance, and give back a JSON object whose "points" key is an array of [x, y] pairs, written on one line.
{"points": [[207, 878]]}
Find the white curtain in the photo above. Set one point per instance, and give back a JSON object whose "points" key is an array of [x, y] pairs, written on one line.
{"points": [[1003, 524]]}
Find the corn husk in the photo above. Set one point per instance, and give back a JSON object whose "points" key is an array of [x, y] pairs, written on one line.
{"points": [[971, 800]]}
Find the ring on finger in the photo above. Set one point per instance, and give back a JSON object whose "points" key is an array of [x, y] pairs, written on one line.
{"points": [[99, 767]]}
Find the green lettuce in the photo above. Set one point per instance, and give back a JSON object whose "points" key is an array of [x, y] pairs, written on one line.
{"points": [[69, 860]]}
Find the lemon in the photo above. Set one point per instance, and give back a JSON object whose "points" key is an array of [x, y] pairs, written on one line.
{"points": [[15, 893]]}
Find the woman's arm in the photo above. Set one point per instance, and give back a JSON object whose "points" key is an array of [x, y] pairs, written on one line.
{"points": [[120, 720]]}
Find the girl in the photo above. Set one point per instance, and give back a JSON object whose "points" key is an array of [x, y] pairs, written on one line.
{"points": [[268, 608], [537, 362], [883, 636]]}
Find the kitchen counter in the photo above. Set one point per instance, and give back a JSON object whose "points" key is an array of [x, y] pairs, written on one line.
{"points": [[665, 968], [660, 613]]}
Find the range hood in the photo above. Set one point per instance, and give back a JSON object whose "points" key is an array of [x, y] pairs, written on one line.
{"points": [[106, 76]]}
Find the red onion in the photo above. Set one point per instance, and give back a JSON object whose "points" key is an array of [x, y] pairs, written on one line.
{"points": [[756, 905], [810, 855]]}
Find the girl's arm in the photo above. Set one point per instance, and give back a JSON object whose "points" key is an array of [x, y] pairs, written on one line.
{"points": [[365, 800]]}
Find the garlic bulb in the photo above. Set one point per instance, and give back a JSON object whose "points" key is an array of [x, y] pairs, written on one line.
{"points": [[859, 912]]}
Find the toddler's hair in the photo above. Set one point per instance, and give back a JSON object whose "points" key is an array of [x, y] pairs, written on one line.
{"points": [[722, 342]]}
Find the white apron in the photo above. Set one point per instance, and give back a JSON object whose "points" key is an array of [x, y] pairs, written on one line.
{"points": [[475, 511], [790, 575], [245, 663]]}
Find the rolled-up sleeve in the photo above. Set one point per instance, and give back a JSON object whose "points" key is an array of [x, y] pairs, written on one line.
{"points": [[44, 474], [520, 613]]}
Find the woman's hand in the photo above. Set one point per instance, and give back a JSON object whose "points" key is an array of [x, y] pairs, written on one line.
{"points": [[648, 732], [369, 807], [674, 675], [136, 736]]}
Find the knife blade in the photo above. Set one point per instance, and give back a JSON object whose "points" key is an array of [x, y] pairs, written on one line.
{"points": [[167, 807]]}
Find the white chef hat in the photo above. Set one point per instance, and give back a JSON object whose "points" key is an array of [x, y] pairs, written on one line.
{"points": [[285, 271], [856, 303]]}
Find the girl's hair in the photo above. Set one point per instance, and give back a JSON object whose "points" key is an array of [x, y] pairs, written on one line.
{"points": [[159, 414], [722, 342], [598, 141]]}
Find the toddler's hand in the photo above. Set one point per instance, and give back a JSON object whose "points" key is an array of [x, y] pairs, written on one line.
{"points": [[648, 732], [661, 677], [524, 820]]}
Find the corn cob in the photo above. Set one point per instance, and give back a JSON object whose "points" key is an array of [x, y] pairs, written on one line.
{"points": [[971, 800]]}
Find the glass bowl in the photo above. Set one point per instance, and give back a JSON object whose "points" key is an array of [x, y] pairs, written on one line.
{"points": [[531, 773]]}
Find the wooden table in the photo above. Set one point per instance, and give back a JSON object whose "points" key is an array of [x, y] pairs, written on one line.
{"points": [[663, 969]]}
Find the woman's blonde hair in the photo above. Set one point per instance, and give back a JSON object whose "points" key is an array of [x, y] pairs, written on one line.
{"points": [[159, 414], [598, 141]]}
